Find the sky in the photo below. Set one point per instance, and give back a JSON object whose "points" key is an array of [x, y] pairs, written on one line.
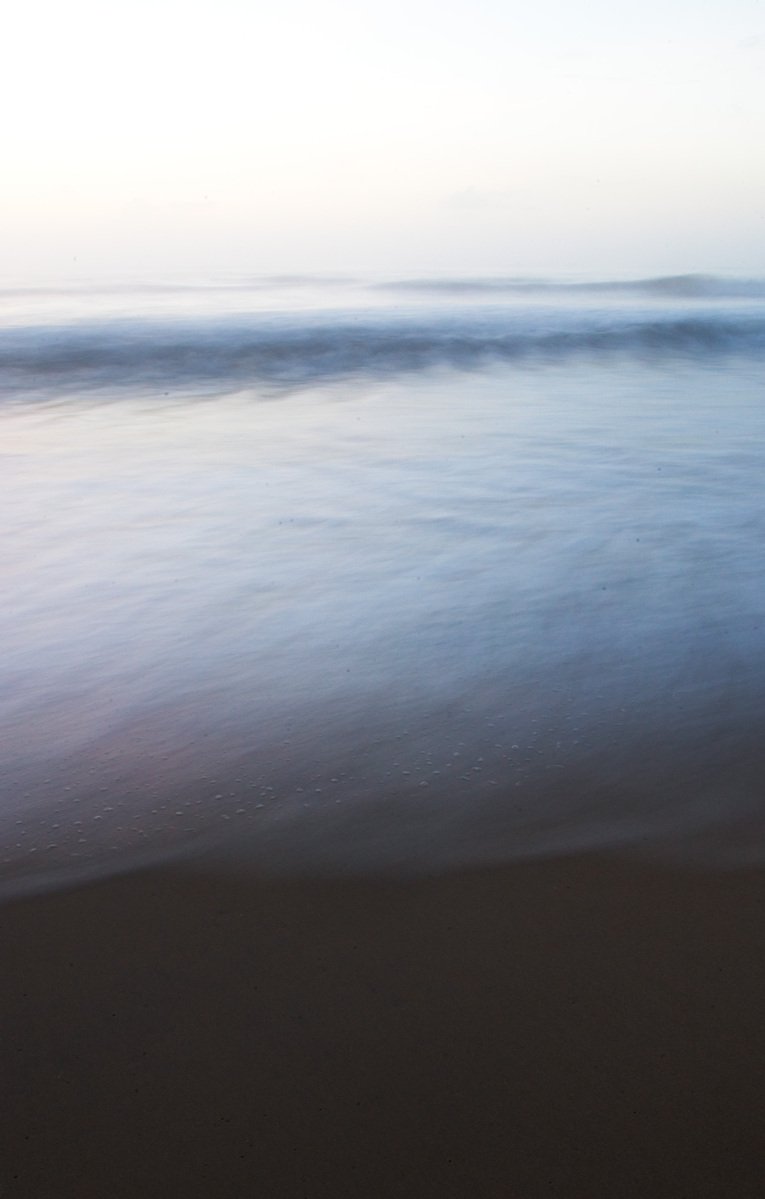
{"points": [[415, 137]]}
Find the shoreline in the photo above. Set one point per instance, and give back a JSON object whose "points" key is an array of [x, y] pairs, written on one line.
{"points": [[586, 1025]]}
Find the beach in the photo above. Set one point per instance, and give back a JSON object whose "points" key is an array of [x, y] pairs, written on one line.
{"points": [[381, 792], [582, 1026]]}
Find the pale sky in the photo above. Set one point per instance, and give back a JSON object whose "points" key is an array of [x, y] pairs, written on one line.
{"points": [[398, 137]]}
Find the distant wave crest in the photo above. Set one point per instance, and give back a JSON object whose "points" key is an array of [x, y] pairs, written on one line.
{"points": [[681, 287]]}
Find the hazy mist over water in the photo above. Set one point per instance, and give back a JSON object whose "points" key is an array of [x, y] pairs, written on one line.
{"points": [[381, 575], [409, 139]]}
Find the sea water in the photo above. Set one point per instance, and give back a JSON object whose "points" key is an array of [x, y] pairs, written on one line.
{"points": [[342, 576]]}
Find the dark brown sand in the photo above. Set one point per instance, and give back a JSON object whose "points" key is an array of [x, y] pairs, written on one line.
{"points": [[569, 1028]]}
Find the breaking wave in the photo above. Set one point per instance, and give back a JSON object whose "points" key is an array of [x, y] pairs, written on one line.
{"points": [[294, 350]]}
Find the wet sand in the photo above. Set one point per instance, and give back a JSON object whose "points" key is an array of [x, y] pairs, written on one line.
{"points": [[585, 1027]]}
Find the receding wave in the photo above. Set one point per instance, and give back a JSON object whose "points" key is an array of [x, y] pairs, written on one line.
{"points": [[291, 351]]}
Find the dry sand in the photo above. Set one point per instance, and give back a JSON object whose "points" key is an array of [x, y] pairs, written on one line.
{"points": [[581, 1028]]}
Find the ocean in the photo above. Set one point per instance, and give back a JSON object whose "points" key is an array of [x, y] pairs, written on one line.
{"points": [[325, 575]]}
